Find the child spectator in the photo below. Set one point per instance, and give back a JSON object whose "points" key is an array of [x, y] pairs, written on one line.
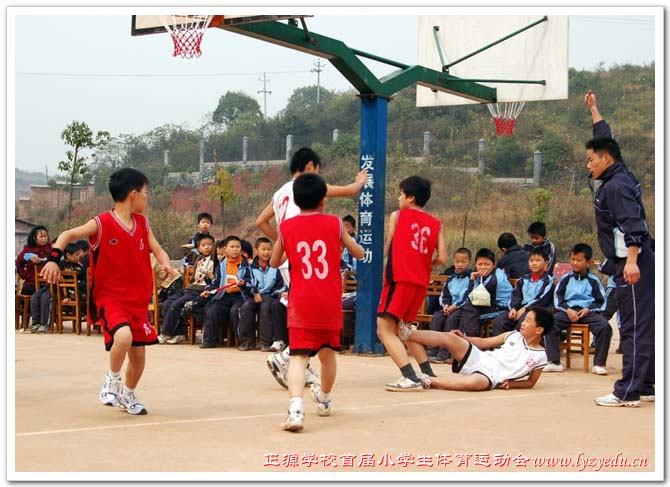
{"points": [[121, 240], [498, 287], [579, 297], [537, 232], [312, 242], [204, 224], [515, 259], [348, 260], [508, 357], [247, 251], [452, 299], [172, 329], [414, 236], [262, 286], [41, 300], [224, 306], [534, 289], [35, 251]]}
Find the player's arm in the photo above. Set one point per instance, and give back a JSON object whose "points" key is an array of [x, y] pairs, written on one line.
{"points": [[352, 246], [392, 222], [483, 343], [161, 255], [263, 222], [525, 383], [441, 250], [50, 272], [590, 100], [350, 189], [278, 255]]}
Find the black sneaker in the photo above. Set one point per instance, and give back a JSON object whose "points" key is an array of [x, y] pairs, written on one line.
{"points": [[208, 345]]}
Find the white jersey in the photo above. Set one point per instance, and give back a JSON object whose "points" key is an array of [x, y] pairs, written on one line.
{"points": [[284, 207]]}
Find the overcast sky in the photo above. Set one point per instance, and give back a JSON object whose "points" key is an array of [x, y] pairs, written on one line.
{"points": [[84, 65]]}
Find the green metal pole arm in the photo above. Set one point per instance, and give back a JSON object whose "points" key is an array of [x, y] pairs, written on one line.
{"points": [[346, 61]]}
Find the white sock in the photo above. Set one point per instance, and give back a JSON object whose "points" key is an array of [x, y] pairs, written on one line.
{"points": [[285, 355], [295, 405], [322, 396], [115, 375]]}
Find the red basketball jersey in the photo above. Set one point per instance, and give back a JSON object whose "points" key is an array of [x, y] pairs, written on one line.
{"points": [[412, 248], [312, 242], [120, 263]]}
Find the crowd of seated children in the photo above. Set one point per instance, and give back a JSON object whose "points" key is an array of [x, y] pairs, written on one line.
{"points": [[41, 300], [35, 251], [536, 288], [537, 232], [223, 306], [172, 329], [451, 301], [515, 258], [204, 223], [261, 292], [499, 291], [579, 298]]}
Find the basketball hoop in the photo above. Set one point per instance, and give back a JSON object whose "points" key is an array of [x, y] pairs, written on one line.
{"points": [[186, 32], [505, 115]]}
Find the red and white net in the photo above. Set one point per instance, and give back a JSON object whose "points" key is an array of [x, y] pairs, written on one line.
{"points": [[505, 115], [186, 32]]}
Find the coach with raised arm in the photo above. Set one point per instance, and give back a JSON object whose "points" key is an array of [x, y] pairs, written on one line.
{"points": [[629, 257]]}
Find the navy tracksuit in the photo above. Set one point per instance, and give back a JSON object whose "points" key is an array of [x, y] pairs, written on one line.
{"points": [[527, 293], [621, 222]]}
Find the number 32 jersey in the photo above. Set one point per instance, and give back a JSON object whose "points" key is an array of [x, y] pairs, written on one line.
{"points": [[312, 242], [412, 248]]}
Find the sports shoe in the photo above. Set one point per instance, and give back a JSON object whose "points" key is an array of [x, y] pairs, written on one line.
{"points": [[311, 377], [278, 368], [293, 421], [648, 397], [176, 339], [43, 329], [128, 401], [163, 338], [424, 380], [610, 400], [599, 370], [277, 346], [404, 385], [436, 360], [322, 408], [405, 330], [110, 391], [552, 367], [35, 328]]}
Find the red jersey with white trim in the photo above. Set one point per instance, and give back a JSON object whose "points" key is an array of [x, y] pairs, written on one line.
{"points": [[312, 242], [412, 247], [120, 264]]}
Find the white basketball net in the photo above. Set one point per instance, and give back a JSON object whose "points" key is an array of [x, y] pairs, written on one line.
{"points": [[186, 32]]}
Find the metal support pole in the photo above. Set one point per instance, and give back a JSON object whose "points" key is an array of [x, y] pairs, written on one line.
{"points": [[289, 147], [537, 168], [374, 114]]}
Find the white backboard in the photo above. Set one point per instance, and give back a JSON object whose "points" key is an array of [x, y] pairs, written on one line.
{"points": [[539, 53]]}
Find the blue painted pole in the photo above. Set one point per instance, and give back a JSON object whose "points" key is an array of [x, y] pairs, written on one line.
{"points": [[374, 114]]}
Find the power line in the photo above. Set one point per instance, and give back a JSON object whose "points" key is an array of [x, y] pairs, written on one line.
{"points": [[152, 75]]}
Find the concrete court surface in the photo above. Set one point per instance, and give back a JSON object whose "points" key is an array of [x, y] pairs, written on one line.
{"points": [[219, 410]]}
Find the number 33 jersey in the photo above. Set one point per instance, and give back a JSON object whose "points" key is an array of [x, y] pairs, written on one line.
{"points": [[412, 248], [312, 242]]}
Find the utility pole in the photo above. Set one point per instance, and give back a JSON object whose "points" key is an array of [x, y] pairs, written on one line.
{"points": [[318, 70], [265, 92]]}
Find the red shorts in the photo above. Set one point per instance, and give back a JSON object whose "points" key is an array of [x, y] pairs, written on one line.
{"points": [[401, 301], [114, 317], [308, 341]]}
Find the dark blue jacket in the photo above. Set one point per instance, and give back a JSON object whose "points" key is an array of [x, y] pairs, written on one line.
{"points": [[620, 215], [514, 262], [455, 290]]}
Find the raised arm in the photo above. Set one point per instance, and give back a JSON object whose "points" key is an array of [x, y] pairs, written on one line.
{"points": [[350, 189], [590, 100]]}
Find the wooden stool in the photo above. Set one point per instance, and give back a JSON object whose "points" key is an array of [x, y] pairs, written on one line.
{"points": [[578, 339]]}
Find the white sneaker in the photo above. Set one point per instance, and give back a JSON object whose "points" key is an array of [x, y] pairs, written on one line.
{"points": [[176, 339], [648, 397], [424, 380], [278, 368], [322, 408], [599, 370], [405, 330], [111, 389], [129, 402], [311, 377], [552, 367], [293, 421], [163, 338], [404, 385], [277, 346], [610, 400]]}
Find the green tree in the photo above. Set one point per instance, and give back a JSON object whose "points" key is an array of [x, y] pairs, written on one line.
{"points": [[222, 191], [79, 136], [304, 98], [232, 105], [508, 157], [541, 199]]}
